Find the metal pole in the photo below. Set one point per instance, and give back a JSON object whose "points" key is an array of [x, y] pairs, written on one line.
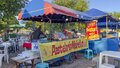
{"points": [[117, 29], [106, 25], [97, 29], [86, 34], [50, 30]]}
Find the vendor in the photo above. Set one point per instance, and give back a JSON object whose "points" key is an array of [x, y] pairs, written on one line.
{"points": [[37, 33]]}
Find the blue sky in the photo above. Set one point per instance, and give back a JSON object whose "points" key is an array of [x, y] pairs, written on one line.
{"points": [[48, 0], [104, 5]]}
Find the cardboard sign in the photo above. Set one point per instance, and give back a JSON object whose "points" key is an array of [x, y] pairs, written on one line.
{"points": [[92, 31]]}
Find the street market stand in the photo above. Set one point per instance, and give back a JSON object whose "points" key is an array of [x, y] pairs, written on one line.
{"points": [[109, 42], [52, 13]]}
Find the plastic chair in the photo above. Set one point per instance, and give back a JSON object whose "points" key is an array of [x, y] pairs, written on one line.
{"points": [[42, 65], [1, 57], [13, 47], [5, 53], [118, 61], [88, 54]]}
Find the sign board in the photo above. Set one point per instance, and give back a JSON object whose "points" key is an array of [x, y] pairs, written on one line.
{"points": [[35, 46], [58, 49], [92, 31]]}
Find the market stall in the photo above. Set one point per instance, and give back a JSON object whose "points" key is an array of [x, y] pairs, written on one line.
{"points": [[108, 37], [57, 46]]}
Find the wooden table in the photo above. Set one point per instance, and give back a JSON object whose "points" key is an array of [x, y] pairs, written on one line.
{"points": [[18, 60]]}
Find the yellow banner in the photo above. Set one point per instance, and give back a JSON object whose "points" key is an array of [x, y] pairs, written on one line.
{"points": [[61, 48]]}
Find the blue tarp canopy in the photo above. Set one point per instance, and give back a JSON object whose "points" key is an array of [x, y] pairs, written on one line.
{"points": [[95, 13], [111, 25], [33, 8], [83, 16], [100, 15], [41, 10]]}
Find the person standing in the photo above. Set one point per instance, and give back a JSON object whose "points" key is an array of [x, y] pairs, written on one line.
{"points": [[36, 34]]}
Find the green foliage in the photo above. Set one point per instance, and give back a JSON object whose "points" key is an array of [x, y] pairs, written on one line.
{"points": [[116, 14], [12, 35], [75, 25], [49, 26], [10, 7], [80, 5], [8, 10], [29, 24], [4, 22], [70, 26]]}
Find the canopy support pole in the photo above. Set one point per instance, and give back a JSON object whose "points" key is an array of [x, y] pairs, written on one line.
{"points": [[50, 21], [106, 25], [117, 30], [50, 29]]}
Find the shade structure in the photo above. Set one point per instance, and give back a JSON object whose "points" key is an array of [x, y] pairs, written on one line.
{"points": [[104, 19], [33, 8], [100, 15], [111, 25], [40, 10], [83, 16], [95, 13], [110, 19]]}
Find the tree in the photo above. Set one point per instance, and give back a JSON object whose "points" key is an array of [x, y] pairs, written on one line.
{"points": [[116, 15], [80, 5], [8, 10]]}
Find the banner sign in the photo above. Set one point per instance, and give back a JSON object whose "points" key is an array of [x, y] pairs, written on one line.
{"points": [[58, 49], [92, 31]]}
